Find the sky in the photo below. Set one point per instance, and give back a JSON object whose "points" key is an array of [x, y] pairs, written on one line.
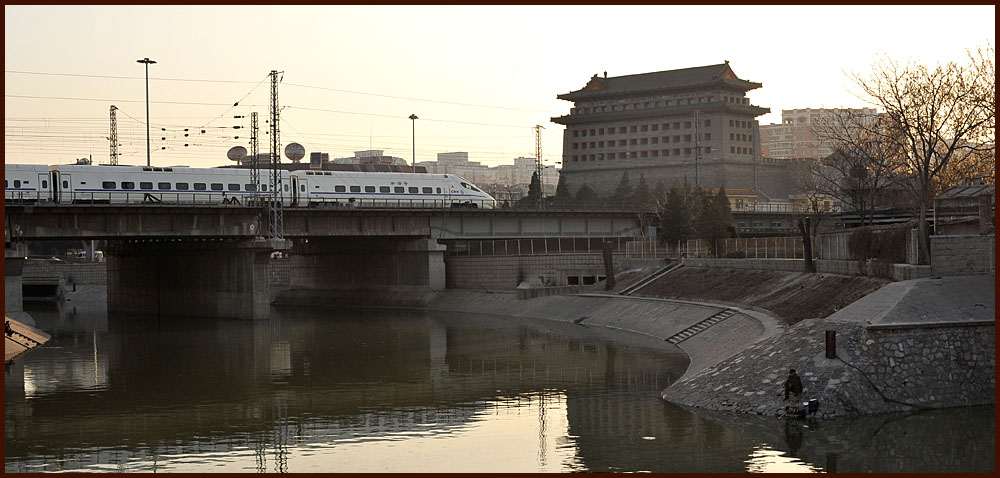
{"points": [[479, 78]]}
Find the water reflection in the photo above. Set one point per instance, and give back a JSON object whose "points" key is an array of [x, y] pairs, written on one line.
{"points": [[402, 391]]}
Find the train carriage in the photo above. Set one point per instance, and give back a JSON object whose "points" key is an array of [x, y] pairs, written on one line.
{"points": [[391, 190], [26, 183]]}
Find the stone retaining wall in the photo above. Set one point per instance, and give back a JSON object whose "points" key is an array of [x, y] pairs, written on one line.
{"points": [[932, 365], [507, 272], [842, 267]]}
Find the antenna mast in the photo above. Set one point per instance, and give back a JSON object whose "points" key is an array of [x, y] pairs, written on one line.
{"points": [[114, 137]]}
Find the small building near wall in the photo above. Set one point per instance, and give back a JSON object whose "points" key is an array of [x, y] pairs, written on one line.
{"points": [[965, 209]]}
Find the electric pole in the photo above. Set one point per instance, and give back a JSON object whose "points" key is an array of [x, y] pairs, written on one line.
{"points": [[276, 222], [254, 160], [113, 137], [538, 163]]}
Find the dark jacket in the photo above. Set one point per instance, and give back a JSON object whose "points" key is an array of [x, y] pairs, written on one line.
{"points": [[793, 384]]}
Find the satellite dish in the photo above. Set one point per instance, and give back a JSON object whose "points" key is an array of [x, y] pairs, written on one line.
{"points": [[236, 153], [295, 151]]}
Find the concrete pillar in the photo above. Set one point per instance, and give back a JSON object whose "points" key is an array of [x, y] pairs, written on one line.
{"points": [[362, 271], [13, 265], [216, 279]]}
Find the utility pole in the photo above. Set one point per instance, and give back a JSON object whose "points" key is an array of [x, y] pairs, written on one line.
{"points": [[254, 160], [538, 163], [113, 137], [276, 225]]}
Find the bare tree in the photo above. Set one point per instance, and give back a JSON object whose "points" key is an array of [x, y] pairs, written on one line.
{"points": [[936, 114], [819, 205], [866, 153]]}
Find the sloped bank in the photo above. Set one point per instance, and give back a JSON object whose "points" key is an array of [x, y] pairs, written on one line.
{"points": [[660, 318]]}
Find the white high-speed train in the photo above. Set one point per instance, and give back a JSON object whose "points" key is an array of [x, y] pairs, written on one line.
{"points": [[67, 184]]}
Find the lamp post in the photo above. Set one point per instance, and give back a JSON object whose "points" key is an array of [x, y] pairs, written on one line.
{"points": [[413, 159], [147, 61]]}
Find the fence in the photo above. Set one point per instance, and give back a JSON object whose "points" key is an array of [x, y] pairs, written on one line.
{"points": [[630, 247], [763, 248]]}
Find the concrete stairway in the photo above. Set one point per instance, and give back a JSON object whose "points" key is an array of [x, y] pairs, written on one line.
{"points": [[700, 326], [648, 280], [22, 339]]}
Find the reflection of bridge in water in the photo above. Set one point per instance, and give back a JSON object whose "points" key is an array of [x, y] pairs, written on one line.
{"points": [[274, 380]]}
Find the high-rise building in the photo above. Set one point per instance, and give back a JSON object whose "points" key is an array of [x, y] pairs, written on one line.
{"points": [[694, 123], [796, 136]]}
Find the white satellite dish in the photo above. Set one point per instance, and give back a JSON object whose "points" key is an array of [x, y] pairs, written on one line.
{"points": [[236, 153], [295, 151]]}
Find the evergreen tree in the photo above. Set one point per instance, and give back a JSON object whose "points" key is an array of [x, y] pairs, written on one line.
{"points": [[676, 214], [623, 193], [586, 196], [643, 199], [563, 196], [715, 219], [534, 192]]}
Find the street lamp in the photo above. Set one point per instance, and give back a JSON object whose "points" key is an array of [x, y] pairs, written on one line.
{"points": [[414, 119], [147, 61]]}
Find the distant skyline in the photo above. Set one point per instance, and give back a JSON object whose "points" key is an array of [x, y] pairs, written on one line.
{"points": [[478, 77]]}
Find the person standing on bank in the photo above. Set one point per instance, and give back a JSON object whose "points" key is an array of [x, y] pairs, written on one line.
{"points": [[793, 387]]}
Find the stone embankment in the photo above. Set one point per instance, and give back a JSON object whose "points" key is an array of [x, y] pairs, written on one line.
{"points": [[925, 343]]}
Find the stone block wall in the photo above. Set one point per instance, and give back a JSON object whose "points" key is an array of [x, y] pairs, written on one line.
{"points": [[932, 365], [506, 272], [81, 273], [963, 255]]}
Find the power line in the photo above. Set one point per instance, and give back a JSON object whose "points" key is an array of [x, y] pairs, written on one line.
{"points": [[115, 100], [123, 77]]}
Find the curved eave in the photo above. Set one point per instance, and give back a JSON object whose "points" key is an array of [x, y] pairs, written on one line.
{"points": [[728, 83], [684, 110]]}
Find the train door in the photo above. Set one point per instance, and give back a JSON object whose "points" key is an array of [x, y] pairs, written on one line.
{"points": [[62, 187], [42, 189], [302, 196]]}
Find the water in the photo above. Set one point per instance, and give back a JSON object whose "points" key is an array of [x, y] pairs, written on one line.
{"points": [[391, 391]]}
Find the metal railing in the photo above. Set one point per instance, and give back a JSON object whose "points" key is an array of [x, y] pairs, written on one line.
{"points": [[629, 247], [763, 248]]}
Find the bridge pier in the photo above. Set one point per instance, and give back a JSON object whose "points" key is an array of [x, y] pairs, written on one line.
{"points": [[13, 265], [194, 278], [365, 271]]}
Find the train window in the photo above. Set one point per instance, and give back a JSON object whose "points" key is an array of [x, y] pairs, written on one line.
{"points": [[464, 185], [340, 189], [384, 189], [163, 186], [17, 183], [45, 184], [200, 186], [414, 190], [145, 185], [233, 187], [6, 184], [65, 184], [249, 187], [399, 189], [369, 189], [128, 185], [473, 188], [147, 168], [355, 189], [216, 186], [428, 190], [439, 190], [182, 186], [108, 184], [263, 187], [302, 188], [286, 188], [168, 169]]}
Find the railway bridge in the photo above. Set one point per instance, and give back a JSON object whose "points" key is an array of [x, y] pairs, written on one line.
{"points": [[211, 260]]}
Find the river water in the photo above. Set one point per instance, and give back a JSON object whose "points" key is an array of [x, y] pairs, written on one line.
{"points": [[400, 391]]}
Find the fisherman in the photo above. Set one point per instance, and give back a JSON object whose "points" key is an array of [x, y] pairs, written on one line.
{"points": [[793, 388]]}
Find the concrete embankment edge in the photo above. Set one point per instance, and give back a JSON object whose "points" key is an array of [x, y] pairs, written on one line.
{"points": [[659, 318]]}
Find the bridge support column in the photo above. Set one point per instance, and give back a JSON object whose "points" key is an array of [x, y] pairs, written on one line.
{"points": [[365, 271], [13, 285], [218, 279]]}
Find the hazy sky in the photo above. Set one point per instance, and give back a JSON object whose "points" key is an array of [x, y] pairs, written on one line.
{"points": [[504, 64]]}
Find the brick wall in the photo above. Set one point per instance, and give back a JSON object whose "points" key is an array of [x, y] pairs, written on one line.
{"points": [[506, 272], [80, 273], [963, 255]]}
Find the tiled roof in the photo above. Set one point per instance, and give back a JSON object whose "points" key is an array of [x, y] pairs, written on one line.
{"points": [[685, 77]]}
